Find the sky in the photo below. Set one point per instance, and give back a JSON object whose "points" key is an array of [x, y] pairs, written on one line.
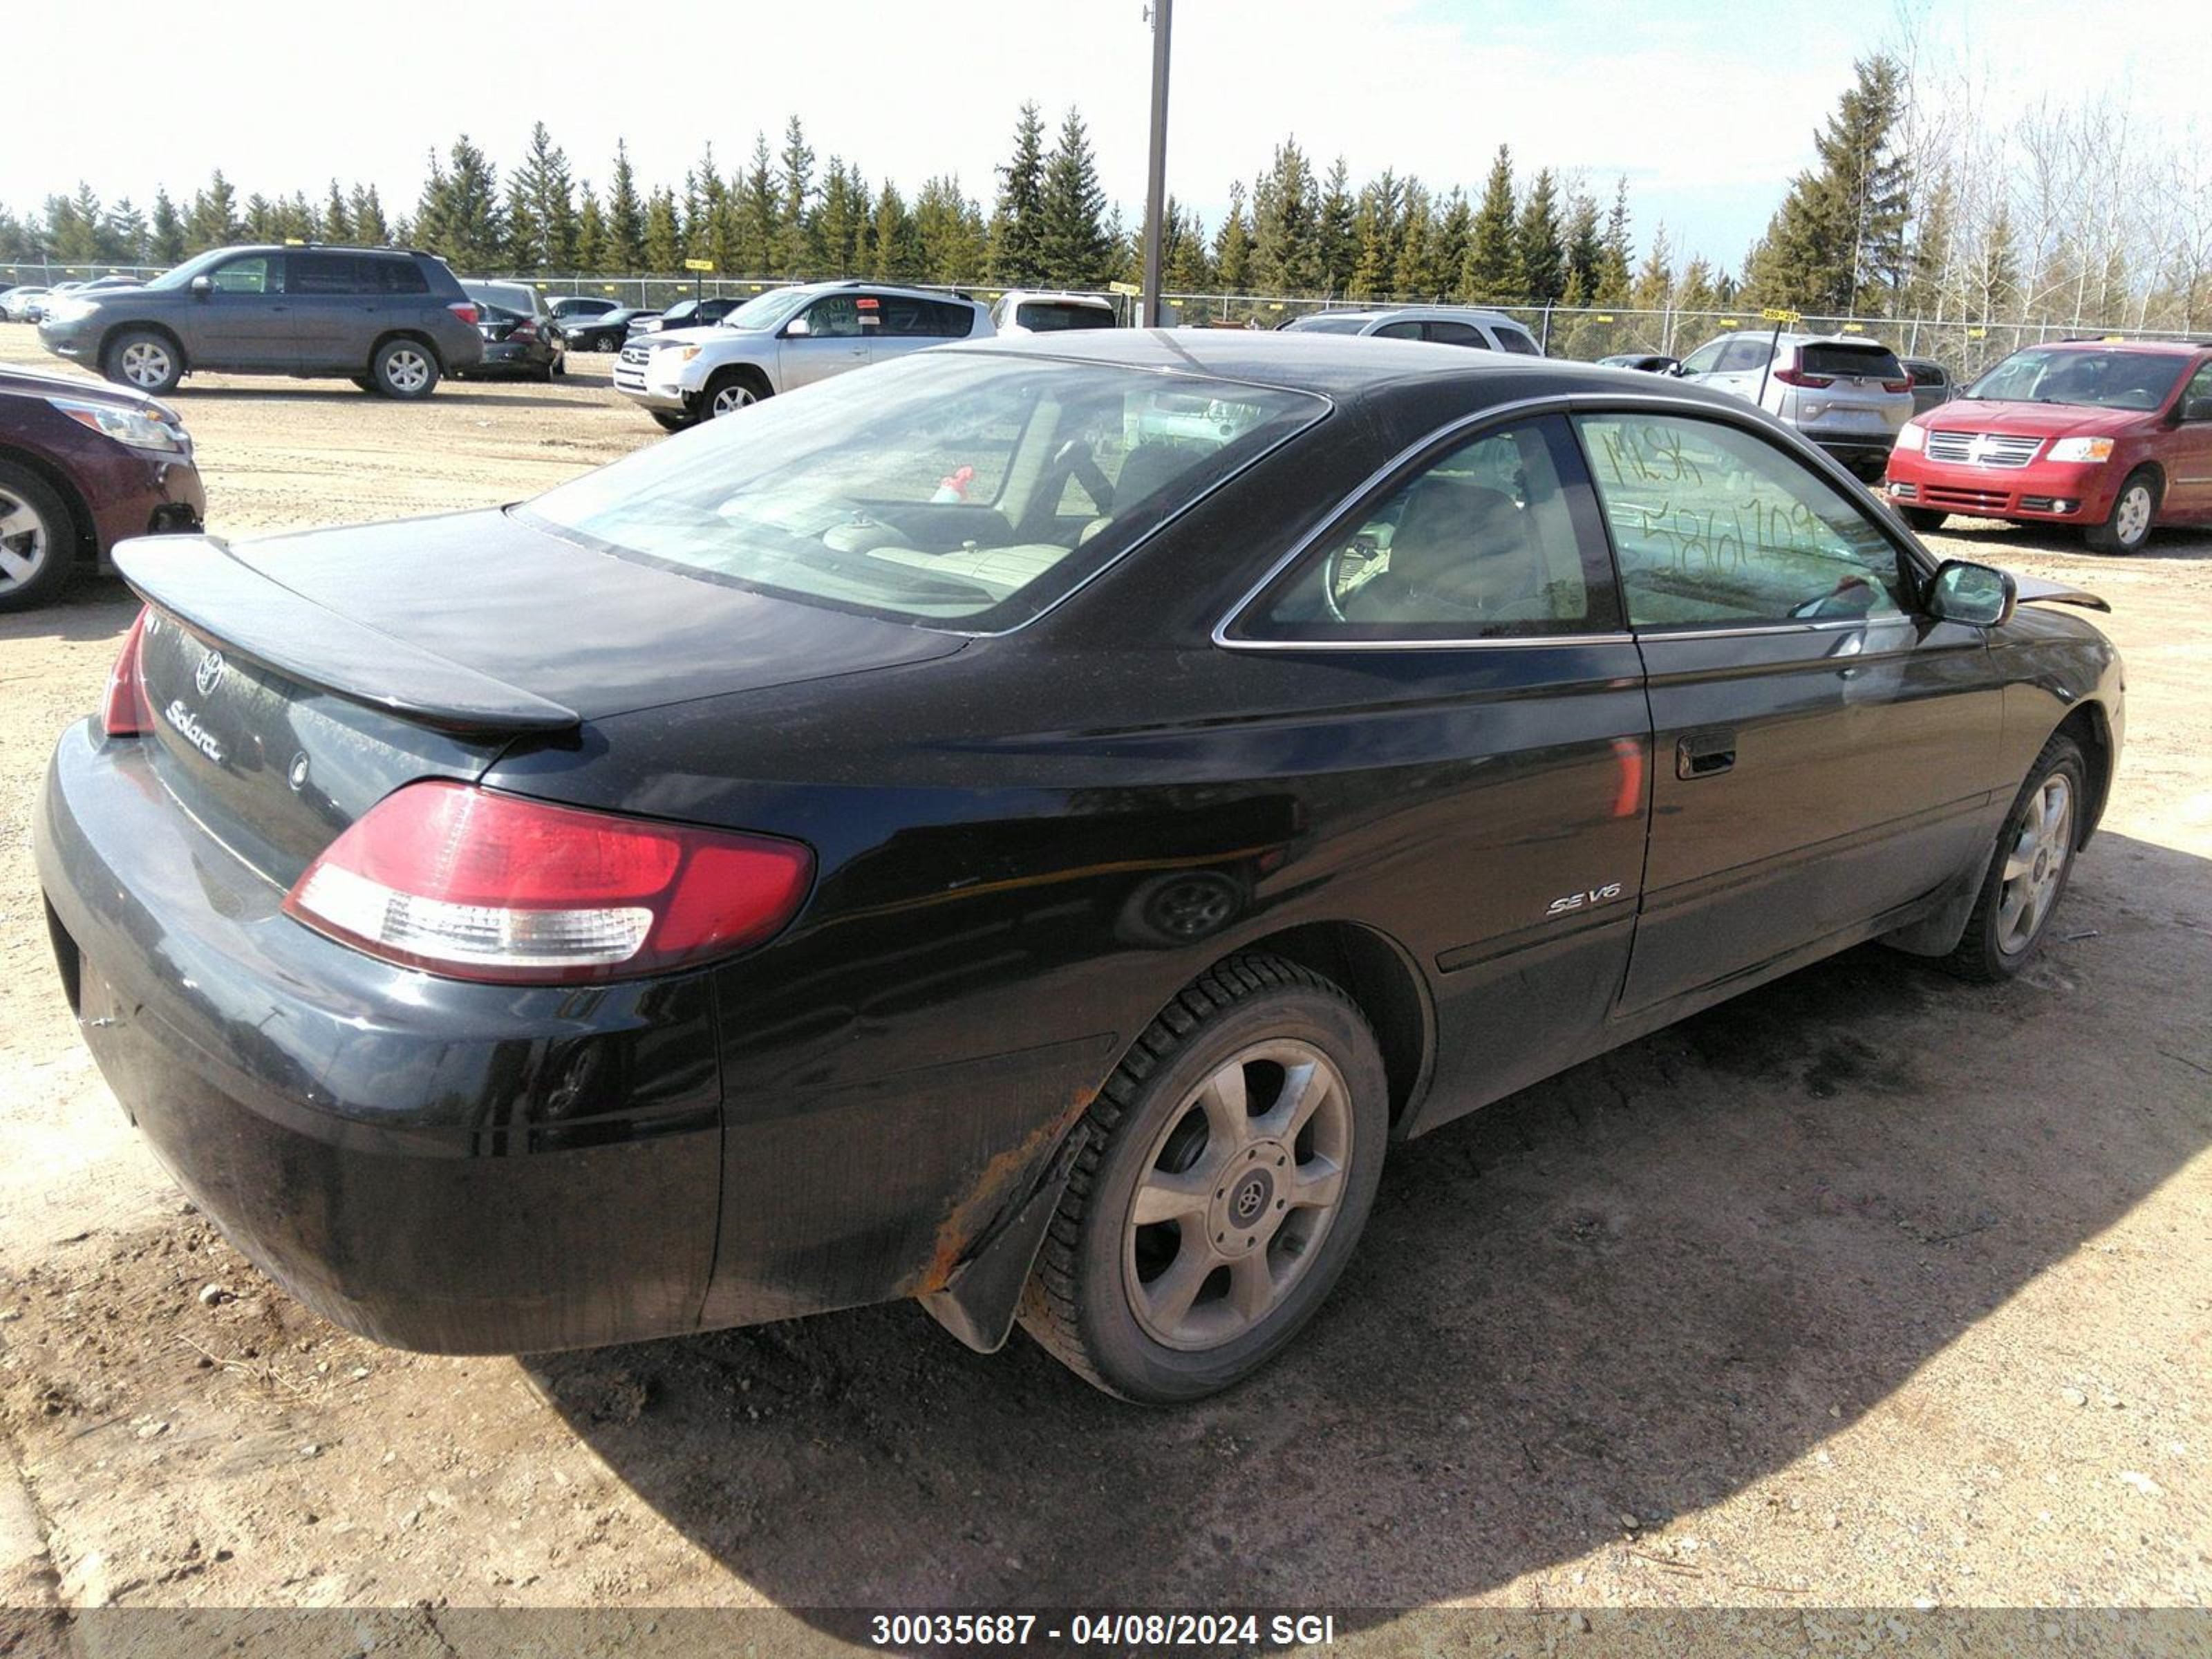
{"points": [[1708, 107]]}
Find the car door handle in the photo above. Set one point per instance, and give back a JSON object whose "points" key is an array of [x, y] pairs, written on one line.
{"points": [[1704, 753]]}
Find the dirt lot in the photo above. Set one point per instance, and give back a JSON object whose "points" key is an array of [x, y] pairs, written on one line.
{"points": [[1870, 1288]]}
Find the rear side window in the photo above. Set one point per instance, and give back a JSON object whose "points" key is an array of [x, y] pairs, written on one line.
{"points": [[325, 273], [1513, 340], [398, 276], [1458, 334], [1495, 538], [1398, 331], [1870, 362], [906, 316]]}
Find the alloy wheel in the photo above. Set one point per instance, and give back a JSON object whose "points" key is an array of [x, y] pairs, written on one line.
{"points": [[406, 370], [2035, 864], [1240, 1189], [2132, 522], [145, 363], [732, 398], [25, 541]]}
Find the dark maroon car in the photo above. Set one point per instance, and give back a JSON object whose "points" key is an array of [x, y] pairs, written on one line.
{"points": [[84, 466]]}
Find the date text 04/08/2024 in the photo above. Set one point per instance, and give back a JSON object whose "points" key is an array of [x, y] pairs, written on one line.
{"points": [[1150, 1630]]}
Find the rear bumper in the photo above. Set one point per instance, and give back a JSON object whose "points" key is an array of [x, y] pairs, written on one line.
{"points": [[455, 1168], [2053, 492]]}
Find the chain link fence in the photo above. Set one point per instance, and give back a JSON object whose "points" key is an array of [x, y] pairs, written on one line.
{"points": [[1964, 346]]}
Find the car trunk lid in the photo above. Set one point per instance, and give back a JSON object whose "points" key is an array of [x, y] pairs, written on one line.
{"points": [[294, 683]]}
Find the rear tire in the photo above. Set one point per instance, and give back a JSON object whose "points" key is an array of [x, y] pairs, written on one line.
{"points": [[669, 421], [1925, 520], [2028, 870], [37, 540], [1225, 1172], [143, 361], [2135, 511], [403, 368]]}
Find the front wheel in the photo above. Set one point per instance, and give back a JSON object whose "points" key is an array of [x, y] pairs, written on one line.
{"points": [[405, 369], [143, 361], [728, 393], [37, 540], [2027, 874], [2128, 526], [1227, 1169], [669, 421]]}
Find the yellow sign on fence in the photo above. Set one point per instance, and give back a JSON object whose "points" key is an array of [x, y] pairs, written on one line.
{"points": [[698, 264], [1776, 314], [1129, 288]]}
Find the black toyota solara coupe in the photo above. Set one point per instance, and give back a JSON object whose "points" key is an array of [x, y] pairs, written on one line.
{"points": [[1027, 828]]}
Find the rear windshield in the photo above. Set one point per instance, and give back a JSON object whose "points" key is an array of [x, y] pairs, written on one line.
{"points": [[1050, 316], [2100, 380], [507, 296], [1873, 362], [963, 490]]}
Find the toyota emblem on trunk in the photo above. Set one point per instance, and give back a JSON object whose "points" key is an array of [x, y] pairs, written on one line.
{"points": [[210, 673]]}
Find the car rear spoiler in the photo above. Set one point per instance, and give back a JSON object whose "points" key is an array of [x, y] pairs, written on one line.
{"points": [[2030, 590], [198, 580]]}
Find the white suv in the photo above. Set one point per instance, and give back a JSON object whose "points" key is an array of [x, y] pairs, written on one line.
{"points": [[1846, 393], [1459, 326], [1032, 311], [786, 338]]}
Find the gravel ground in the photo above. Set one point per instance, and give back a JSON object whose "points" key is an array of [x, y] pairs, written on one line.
{"points": [[1867, 1289]]}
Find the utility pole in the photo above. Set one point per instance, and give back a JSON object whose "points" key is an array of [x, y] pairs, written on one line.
{"points": [[1156, 188]]}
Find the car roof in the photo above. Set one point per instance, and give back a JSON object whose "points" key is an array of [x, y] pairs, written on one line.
{"points": [[2154, 348], [1332, 365], [1386, 313], [898, 288], [1067, 295]]}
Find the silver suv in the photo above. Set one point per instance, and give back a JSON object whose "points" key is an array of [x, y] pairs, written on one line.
{"points": [[786, 338], [1846, 393], [1459, 326]]}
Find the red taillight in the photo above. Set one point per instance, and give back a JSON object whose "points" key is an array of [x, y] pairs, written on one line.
{"points": [[124, 713], [523, 331], [1904, 385], [463, 310], [1799, 377], [474, 885]]}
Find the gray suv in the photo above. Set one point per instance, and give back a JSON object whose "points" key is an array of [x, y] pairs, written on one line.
{"points": [[390, 319]]}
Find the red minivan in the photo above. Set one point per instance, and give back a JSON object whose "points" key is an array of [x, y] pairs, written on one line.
{"points": [[2113, 436]]}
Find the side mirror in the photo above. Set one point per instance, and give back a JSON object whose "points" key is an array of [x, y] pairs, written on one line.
{"points": [[1972, 593], [797, 329], [202, 287]]}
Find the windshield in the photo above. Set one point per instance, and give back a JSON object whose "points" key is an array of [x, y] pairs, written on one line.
{"points": [[178, 275], [960, 488], [505, 296], [1051, 316], [768, 310], [2096, 379]]}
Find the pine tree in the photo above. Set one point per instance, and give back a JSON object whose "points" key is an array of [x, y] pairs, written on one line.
{"points": [[664, 233], [523, 243], [1185, 267], [1455, 236], [214, 218], [1418, 274], [460, 216], [1376, 229], [622, 248], [1618, 251], [1541, 243], [1837, 243], [591, 231], [759, 211], [795, 217], [167, 238], [296, 220], [1335, 241], [1996, 277], [1286, 224], [841, 222], [890, 239], [708, 226], [1585, 250], [1232, 246], [1653, 287], [547, 191], [1018, 219], [949, 232], [125, 234], [1074, 248], [1493, 272], [369, 227]]}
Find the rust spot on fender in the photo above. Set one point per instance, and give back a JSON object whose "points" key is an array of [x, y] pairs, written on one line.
{"points": [[994, 1188]]}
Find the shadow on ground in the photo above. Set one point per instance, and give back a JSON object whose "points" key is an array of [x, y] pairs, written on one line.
{"points": [[1635, 1288]]}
